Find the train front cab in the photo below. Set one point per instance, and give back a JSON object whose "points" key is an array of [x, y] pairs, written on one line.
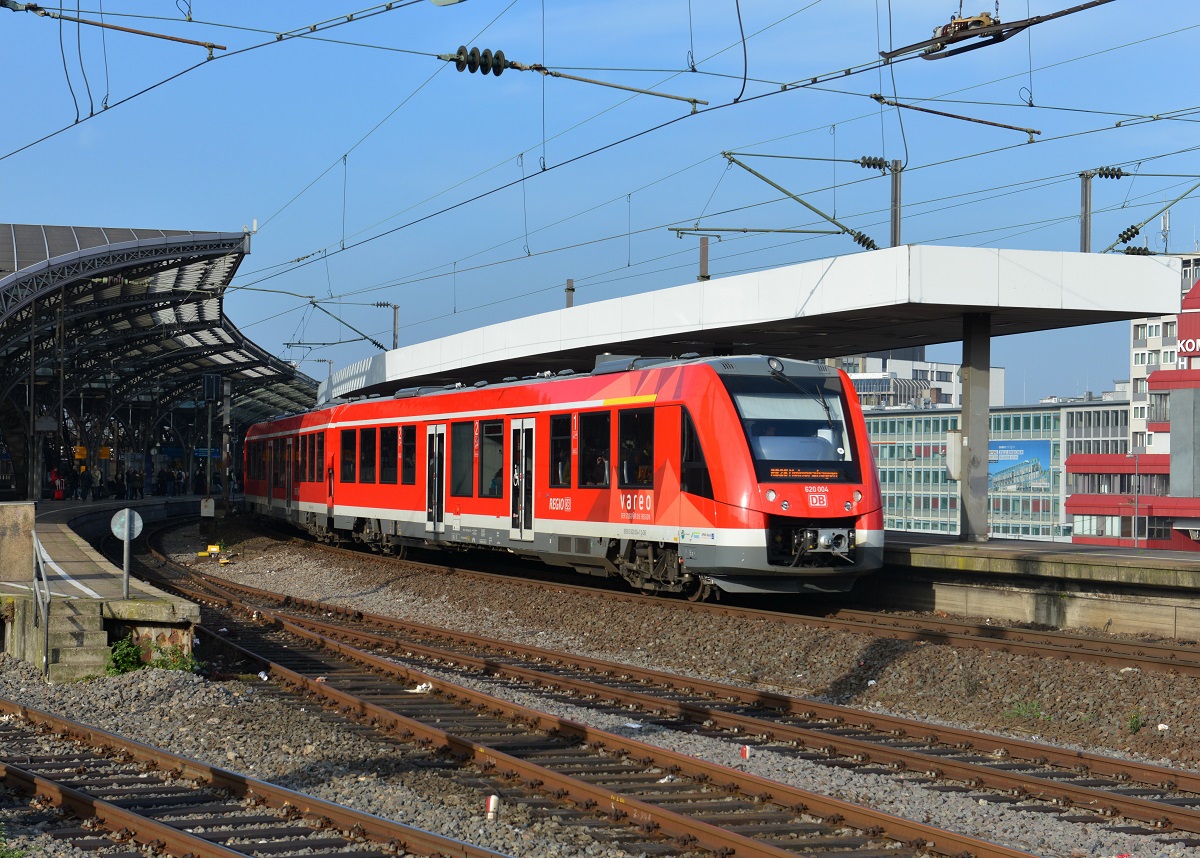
{"points": [[796, 456]]}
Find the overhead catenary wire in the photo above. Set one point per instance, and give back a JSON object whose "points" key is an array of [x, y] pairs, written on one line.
{"points": [[847, 72], [279, 38], [497, 165]]}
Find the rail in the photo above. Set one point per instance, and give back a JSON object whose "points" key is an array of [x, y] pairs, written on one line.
{"points": [[41, 595]]}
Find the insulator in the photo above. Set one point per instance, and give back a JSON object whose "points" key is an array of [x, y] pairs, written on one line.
{"points": [[1128, 233], [499, 64], [864, 240], [872, 162], [1138, 251], [485, 61], [460, 57], [473, 60], [1110, 173]]}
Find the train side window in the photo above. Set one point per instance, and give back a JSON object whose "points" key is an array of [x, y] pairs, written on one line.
{"points": [[349, 454], [693, 469], [320, 465], [314, 459], [408, 455], [595, 449], [387, 454], [491, 459], [301, 457], [462, 459], [635, 435], [560, 451], [366, 455], [294, 453]]}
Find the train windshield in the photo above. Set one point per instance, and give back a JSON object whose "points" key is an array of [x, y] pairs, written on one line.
{"points": [[796, 427]]}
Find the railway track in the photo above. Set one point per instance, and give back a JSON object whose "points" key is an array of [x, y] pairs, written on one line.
{"points": [[131, 797], [1183, 659], [1079, 786], [668, 802]]}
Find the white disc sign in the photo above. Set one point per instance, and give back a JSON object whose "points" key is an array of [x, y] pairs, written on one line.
{"points": [[118, 524]]}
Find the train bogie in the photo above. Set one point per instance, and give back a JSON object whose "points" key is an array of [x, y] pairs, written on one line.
{"points": [[746, 474]]}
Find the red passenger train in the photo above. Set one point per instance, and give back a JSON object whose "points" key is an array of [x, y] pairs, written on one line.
{"points": [[741, 474]]}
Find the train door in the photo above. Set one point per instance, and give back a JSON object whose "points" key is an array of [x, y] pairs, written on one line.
{"points": [[288, 477], [435, 478], [521, 468]]}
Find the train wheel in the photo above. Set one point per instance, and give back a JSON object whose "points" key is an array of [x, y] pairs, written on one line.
{"points": [[695, 591]]}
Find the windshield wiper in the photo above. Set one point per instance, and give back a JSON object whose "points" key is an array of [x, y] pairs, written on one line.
{"points": [[820, 394]]}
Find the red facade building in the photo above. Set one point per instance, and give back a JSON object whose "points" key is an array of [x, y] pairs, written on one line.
{"points": [[1146, 499]]}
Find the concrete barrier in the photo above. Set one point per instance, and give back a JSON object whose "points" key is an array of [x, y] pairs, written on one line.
{"points": [[16, 541]]}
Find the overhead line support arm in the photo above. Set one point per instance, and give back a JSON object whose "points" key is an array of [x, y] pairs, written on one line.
{"points": [[859, 237]]}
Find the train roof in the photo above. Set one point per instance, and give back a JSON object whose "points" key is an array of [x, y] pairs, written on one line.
{"points": [[606, 364]]}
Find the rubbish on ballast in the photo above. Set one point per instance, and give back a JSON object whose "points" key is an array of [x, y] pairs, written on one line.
{"points": [[222, 631], [633, 725], [667, 780], [319, 679], [1128, 670], [262, 674], [871, 683], [492, 806], [745, 752], [1162, 728], [422, 688]]}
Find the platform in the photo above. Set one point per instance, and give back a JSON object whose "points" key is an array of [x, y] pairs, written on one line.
{"points": [[88, 610], [1060, 584]]}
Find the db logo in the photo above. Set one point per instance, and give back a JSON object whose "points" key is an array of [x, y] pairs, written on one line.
{"points": [[818, 500]]}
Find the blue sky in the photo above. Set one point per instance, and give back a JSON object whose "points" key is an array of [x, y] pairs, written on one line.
{"points": [[467, 200]]}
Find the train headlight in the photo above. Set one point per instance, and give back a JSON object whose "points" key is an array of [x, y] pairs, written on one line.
{"points": [[771, 495], [784, 506], [775, 364], [849, 506], [857, 495]]}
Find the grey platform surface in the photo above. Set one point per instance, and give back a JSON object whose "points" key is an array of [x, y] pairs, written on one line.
{"points": [[75, 570]]}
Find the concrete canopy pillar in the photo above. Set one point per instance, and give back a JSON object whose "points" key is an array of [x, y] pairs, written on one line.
{"points": [[976, 368]]}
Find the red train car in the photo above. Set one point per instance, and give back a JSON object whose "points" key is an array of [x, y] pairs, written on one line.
{"points": [[744, 474]]}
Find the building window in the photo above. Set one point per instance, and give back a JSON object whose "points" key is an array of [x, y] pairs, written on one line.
{"points": [[1152, 330], [1139, 332], [1169, 330], [1158, 527]]}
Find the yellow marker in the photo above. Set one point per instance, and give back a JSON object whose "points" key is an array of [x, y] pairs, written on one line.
{"points": [[201, 553], [214, 549]]}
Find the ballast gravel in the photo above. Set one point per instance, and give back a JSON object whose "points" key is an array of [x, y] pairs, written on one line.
{"points": [[240, 726]]}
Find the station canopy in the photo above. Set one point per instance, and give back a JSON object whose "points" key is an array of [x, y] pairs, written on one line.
{"points": [[97, 321]]}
